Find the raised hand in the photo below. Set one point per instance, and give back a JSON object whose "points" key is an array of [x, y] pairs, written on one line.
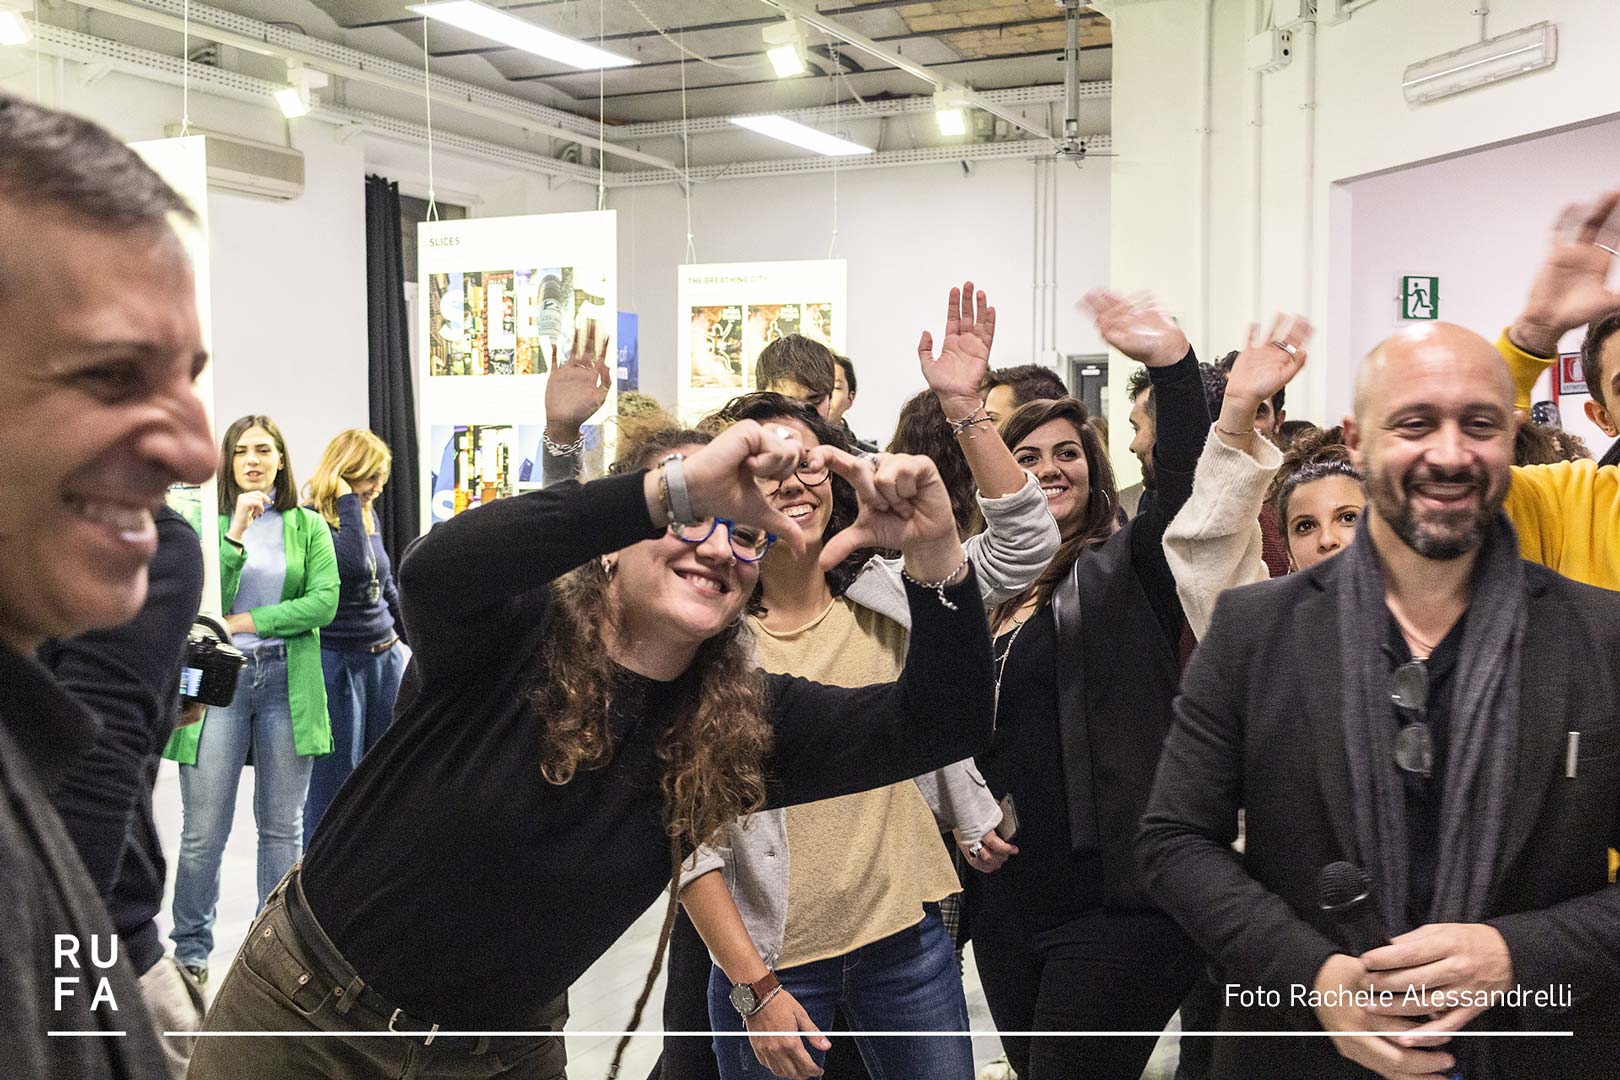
{"points": [[964, 352], [578, 386], [1137, 327], [1571, 287], [785, 1055], [249, 505], [722, 478], [903, 504], [1263, 368]]}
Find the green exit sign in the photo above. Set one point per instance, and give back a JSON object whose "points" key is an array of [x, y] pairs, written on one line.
{"points": [[1420, 297]]}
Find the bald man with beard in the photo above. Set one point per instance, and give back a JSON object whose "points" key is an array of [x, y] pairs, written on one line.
{"points": [[1480, 807]]}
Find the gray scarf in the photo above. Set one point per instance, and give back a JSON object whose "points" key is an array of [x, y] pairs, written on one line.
{"points": [[1481, 740]]}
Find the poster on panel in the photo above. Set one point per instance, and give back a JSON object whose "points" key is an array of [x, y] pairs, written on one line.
{"points": [[183, 165], [728, 312], [501, 299]]}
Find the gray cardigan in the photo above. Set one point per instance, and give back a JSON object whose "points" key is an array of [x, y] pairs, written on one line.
{"points": [[1018, 542]]}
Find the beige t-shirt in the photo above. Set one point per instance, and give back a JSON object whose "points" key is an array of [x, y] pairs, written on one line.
{"points": [[861, 866]]}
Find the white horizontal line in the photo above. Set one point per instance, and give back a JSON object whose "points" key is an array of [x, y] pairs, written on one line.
{"points": [[87, 1034], [418, 1035]]}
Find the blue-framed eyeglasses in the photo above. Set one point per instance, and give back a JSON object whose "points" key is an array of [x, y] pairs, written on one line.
{"points": [[747, 543]]}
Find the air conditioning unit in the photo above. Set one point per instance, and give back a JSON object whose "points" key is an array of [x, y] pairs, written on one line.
{"points": [[249, 167]]}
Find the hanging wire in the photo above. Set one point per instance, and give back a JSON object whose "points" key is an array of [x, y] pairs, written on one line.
{"points": [[680, 45], [832, 85], [427, 98], [686, 165], [185, 68], [601, 110]]}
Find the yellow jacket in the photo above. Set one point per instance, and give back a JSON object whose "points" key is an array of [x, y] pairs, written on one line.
{"points": [[1567, 514]]}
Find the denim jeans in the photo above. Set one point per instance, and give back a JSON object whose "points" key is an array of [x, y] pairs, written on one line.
{"points": [[360, 691], [904, 982], [258, 721]]}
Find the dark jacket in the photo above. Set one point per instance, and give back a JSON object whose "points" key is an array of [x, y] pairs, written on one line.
{"points": [[129, 678], [1118, 623], [45, 893], [1259, 726]]}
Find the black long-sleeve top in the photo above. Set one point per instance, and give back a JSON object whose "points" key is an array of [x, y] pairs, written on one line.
{"points": [[361, 621], [129, 679], [1117, 621], [467, 889]]}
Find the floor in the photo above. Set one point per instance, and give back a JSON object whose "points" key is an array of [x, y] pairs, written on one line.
{"points": [[601, 1001]]}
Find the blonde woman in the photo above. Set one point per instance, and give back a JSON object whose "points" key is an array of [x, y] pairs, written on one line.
{"points": [[362, 654]]}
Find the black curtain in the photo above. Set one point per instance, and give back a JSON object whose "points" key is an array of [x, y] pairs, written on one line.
{"points": [[393, 403]]}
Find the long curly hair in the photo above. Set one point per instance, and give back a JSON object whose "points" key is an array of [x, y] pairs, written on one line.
{"points": [[714, 750], [922, 429], [1095, 520]]}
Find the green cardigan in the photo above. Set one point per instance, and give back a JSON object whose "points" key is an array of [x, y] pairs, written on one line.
{"points": [[309, 599]]}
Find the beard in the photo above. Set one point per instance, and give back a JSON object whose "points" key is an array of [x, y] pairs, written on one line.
{"points": [[1444, 534]]}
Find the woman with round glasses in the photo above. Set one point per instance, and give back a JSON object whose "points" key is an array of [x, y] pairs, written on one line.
{"points": [[586, 710], [833, 905]]}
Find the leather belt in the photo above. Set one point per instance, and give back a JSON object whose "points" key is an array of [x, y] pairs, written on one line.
{"points": [[382, 646]]}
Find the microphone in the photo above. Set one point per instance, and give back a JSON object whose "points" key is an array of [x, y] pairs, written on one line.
{"points": [[1346, 894]]}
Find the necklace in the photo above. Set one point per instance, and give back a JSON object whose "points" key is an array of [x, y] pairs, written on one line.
{"points": [[1428, 649], [1001, 662]]}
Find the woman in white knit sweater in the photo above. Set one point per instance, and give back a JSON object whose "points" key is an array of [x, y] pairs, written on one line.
{"points": [[1214, 542]]}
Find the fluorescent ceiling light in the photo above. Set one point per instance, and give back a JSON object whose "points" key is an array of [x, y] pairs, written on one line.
{"points": [[1487, 61], [13, 27], [294, 101], [790, 131], [786, 60], [520, 34]]}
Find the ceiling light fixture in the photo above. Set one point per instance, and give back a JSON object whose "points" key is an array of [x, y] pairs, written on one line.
{"points": [[520, 34], [1487, 61], [790, 131], [950, 112], [784, 43], [294, 98], [14, 28]]}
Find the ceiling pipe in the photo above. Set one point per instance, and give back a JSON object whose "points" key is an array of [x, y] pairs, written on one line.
{"points": [[831, 27], [354, 69]]}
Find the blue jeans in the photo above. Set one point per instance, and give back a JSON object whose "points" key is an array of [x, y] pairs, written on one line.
{"points": [[905, 982], [259, 722], [360, 692]]}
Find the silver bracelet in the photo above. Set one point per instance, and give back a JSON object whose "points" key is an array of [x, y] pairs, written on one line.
{"points": [[556, 449], [938, 586], [674, 477]]}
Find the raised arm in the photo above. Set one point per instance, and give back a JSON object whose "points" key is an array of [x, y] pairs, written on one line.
{"points": [[1143, 331], [575, 389], [1214, 543], [1570, 289], [834, 741], [955, 377]]}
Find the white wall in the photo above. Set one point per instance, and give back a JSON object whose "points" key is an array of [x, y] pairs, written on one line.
{"points": [[1480, 222], [288, 278], [908, 235], [1362, 126]]}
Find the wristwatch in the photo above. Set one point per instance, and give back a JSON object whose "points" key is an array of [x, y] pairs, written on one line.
{"points": [[749, 998]]}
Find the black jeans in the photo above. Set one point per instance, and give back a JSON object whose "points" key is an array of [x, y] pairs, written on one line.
{"points": [[285, 981], [1102, 971]]}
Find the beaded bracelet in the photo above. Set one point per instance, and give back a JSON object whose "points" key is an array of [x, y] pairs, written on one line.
{"points": [[938, 586], [967, 422]]}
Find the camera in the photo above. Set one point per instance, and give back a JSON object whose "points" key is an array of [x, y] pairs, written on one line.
{"points": [[211, 665]]}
